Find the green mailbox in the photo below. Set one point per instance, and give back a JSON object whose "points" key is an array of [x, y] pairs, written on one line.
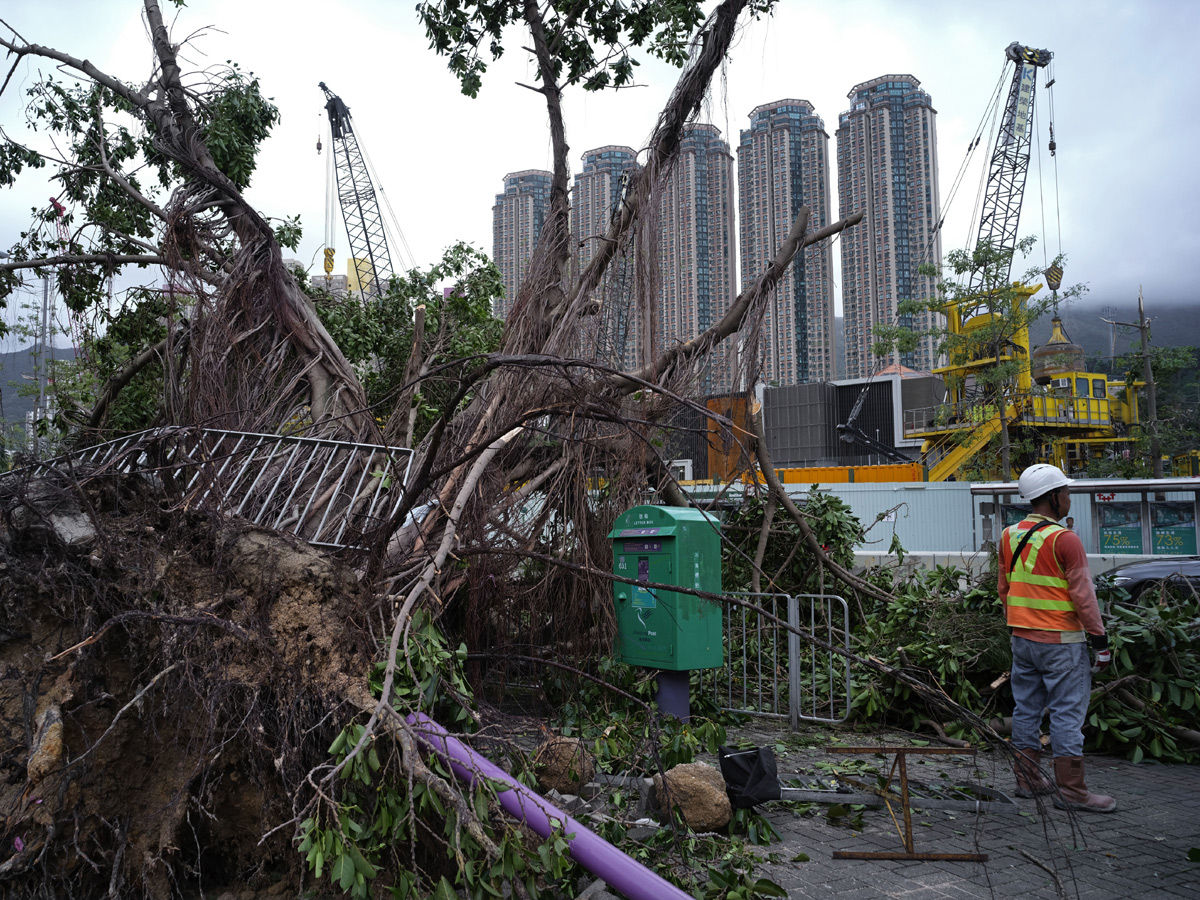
{"points": [[659, 628]]}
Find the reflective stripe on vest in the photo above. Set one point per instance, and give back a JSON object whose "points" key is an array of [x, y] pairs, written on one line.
{"points": [[1039, 594]]}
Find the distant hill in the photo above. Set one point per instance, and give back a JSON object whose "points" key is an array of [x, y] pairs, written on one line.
{"points": [[17, 370], [1170, 326]]}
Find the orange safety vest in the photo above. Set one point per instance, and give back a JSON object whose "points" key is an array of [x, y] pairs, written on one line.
{"points": [[1039, 594]]}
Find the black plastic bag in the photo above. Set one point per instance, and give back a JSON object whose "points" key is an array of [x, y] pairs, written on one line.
{"points": [[750, 776]]}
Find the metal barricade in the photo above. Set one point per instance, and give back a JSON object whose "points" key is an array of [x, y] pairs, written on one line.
{"points": [[773, 672], [327, 492], [819, 676]]}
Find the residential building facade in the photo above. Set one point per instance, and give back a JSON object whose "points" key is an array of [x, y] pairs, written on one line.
{"points": [[696, 233], [517, 219], [595, 199], [887, 169], [783, 166]]}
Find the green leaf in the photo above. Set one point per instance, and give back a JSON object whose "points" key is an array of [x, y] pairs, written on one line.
{"points": [[444, 890], [360, 863], [339, 744], [342, 871], [767, 888]]}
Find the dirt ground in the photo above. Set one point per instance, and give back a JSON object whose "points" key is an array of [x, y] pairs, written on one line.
{"points": [[167, 683]]}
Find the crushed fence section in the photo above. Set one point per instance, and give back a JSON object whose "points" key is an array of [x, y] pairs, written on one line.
{"points": [[328, 492], [772, 672]]}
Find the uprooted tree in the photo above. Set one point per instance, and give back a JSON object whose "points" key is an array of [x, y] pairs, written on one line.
{"points": [[228, 659]]}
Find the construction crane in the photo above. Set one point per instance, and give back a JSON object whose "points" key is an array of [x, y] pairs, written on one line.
{"points": [[356, 196], [1010, 161], [1066, 412]]}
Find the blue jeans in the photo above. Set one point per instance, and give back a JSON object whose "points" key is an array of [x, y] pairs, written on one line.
{"points": [[1050, 677]]}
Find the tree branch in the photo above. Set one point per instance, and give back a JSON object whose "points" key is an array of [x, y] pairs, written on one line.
{"points": [[732, 321], [810, 539], [717, 36], [136, 195], [114, 386], [82, 258]]}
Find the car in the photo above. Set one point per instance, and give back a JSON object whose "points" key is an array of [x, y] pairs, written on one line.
{"points": [[1136, 577]]}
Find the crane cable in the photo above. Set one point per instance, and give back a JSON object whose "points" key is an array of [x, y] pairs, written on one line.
{"points": [[1054, 156], [403, 251], [1041, 189], [330, 200], [996, 112], [972, 146]]}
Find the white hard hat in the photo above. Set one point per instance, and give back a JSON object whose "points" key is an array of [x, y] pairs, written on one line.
{"points": [[1039, 480]]}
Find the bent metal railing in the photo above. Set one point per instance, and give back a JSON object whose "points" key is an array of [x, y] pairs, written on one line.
{"points": [[772, 672], [330, 493]]}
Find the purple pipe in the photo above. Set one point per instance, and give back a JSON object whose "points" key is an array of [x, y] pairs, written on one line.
{"points": [[590, 850]]}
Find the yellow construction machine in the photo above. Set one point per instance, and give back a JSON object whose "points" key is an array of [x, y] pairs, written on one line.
{"points": [[1052, 406]]}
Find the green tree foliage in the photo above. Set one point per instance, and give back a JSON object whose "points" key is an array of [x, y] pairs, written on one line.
{"points": [[115, 180], [949, 631], [985, 346], [1177, 388], [998, 314], [117, 212], [236, 119], [591, 41], [788, 565], [1148, 703], [110, 350], [377, 337]]}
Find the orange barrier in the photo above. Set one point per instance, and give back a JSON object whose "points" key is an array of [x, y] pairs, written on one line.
{"points": [[893, 472]]}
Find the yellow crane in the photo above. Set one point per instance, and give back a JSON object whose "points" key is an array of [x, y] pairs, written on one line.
{"points": [[1053, 402]]}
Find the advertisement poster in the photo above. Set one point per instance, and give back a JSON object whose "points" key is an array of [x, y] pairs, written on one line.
{"points": [[1120, 527], [1173, 527]]}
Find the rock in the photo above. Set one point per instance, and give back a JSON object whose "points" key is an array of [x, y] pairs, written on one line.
{"points": [[697, 791], [563, 765], [46, 513], [595, 891], [646, 795], [641, 833], [591, 791], [47, 752]]}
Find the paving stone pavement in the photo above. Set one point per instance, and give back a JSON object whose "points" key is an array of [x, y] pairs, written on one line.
{"points": [[1140, 851]]}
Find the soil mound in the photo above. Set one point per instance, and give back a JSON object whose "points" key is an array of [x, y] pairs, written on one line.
{"points": [[167, 684]]}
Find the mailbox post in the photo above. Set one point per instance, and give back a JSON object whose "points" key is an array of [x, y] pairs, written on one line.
{"points": [[660, 628]]}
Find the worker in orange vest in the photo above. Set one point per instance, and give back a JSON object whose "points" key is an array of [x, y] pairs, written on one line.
{"points": [[1047, 591]]}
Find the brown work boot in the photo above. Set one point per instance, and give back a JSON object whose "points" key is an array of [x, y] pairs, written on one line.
{"points": [[1068, 772], [1030, 779]]}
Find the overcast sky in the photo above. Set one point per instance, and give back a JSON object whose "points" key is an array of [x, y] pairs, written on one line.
{"points": [[1123, 190]]}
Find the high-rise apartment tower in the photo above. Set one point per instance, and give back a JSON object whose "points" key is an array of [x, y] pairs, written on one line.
{"points": [[887, 167], [696, 233], [783, 165], [595, 200], [517, 219]]}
